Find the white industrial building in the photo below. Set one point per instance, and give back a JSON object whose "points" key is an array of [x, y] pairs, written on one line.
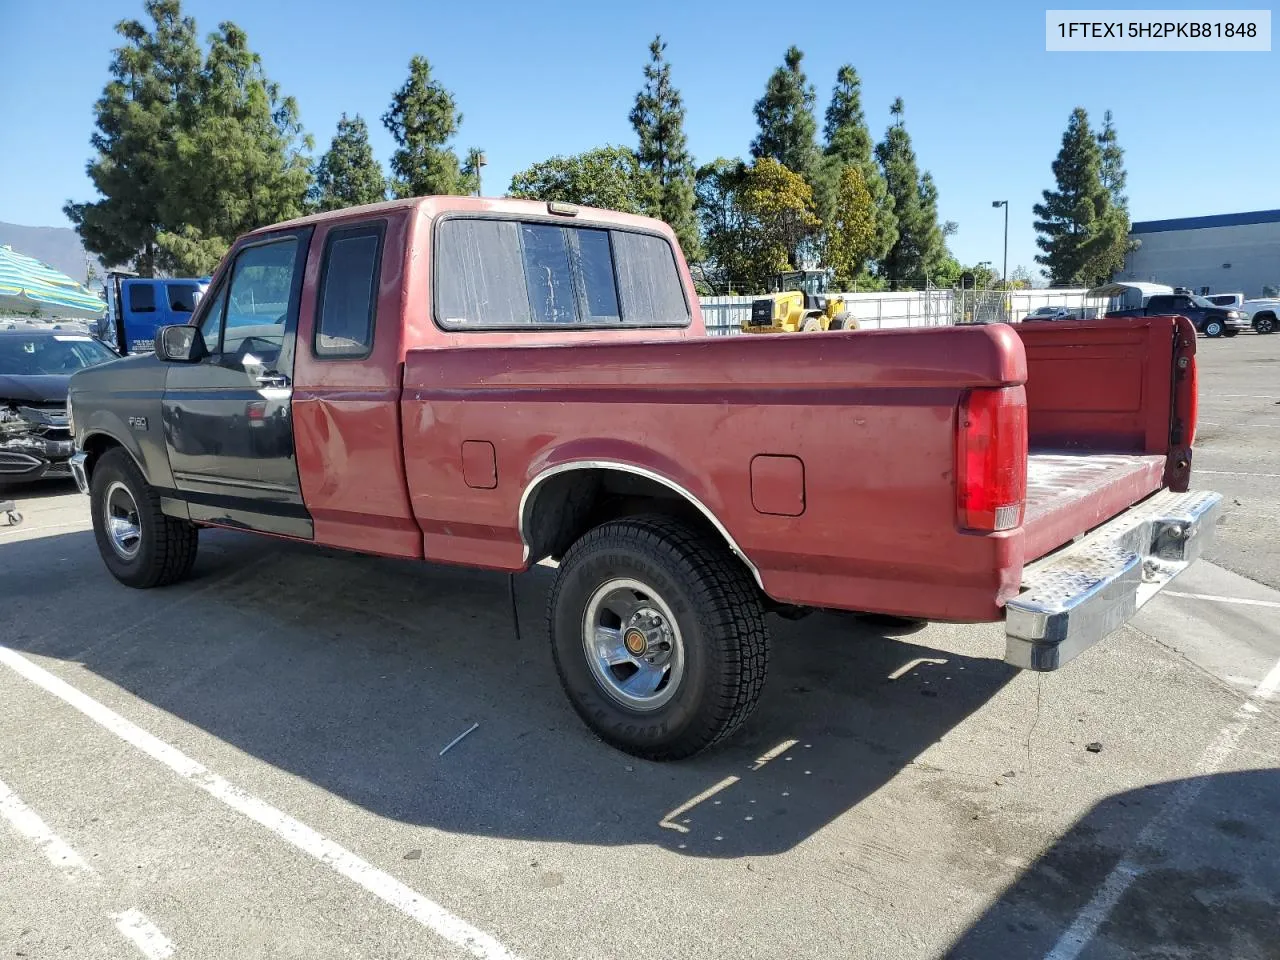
{"points": [[1229, 253]]}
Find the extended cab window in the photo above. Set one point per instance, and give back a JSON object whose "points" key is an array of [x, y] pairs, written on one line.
{"points": [[258, 299], [142, 298], [504, 273], [348, 293]]}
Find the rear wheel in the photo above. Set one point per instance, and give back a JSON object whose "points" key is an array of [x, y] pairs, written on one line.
{"points": [[1213, 328], [812, 323], [658, 635], [1265, 323], [842, 321], [141, 546]]}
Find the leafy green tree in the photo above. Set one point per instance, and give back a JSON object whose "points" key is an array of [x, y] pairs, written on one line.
{"points": [[920, 248], [423, 118], [848, 143], [241, 163], [1020, 278], [148, 97], [607, 177], [658, 119], [1082, 233], [851, 233], [348, 175], [788, 128], [756, 219], [722, 224]]}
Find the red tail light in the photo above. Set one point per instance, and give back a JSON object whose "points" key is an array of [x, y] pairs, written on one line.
{"points": [[991, 458]]}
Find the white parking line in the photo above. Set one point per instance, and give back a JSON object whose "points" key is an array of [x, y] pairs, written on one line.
{"points": [[1217, 599], [1236, 473], [131, 923], [385, 887], [144, 934], [28, 823], [1082, 930]]}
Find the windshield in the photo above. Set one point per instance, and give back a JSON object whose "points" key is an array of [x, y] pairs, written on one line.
{"points": [[46, 355]]}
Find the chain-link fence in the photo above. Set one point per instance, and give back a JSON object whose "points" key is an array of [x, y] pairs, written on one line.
{"points": [[724, 316]]}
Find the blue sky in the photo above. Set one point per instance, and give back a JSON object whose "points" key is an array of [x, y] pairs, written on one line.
{"points": [[985, 104]]}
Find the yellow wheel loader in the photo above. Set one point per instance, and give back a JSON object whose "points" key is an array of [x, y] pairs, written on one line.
{"points": [[799, 303]]}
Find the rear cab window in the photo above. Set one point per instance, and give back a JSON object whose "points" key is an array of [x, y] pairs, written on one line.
{"points": [[505, 274]]}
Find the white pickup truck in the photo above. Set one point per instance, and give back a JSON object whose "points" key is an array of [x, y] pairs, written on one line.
{"points": [[1263, 314]]}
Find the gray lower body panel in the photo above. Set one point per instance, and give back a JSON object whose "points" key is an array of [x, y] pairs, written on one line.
{"points": [[1073, 598]]}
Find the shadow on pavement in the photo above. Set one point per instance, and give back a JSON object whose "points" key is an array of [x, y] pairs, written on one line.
{"points": [[1208, 884], [353, 672]]}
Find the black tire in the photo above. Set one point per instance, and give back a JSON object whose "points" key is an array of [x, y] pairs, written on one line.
{"points": [[1229, 332], [721, 631], [165, 548], [839, 321], [1265, 323], [1213, 329]]}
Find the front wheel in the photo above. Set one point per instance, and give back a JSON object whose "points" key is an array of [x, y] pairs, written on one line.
{"points": [[139, 543], [659, 637], [1213, 328], [812, 324]]}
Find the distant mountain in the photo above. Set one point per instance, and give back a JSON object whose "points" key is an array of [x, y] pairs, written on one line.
{"points": [[59, 247]]}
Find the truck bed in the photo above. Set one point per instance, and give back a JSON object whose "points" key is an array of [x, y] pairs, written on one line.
{"points": [[1070, 492]]}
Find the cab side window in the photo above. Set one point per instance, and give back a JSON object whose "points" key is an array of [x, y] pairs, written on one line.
{"points": [[348, 301]]}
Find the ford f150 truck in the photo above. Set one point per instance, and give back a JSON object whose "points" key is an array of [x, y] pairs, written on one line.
{"points": [[495, 382]]}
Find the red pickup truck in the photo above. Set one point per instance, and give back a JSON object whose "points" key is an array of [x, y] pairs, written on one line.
{"points": [[495, 382]]}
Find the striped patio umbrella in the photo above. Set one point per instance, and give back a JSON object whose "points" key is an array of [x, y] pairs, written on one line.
{"points": [[27, 285]]}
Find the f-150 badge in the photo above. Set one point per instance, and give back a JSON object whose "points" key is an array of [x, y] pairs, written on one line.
{"points": [[137, 423]]}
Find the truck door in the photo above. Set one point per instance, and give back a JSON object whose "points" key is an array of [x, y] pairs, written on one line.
{"points": [[228, 420], [141, 314]]}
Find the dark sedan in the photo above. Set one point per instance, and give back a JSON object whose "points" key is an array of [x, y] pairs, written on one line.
{"points": [[35, 368]]}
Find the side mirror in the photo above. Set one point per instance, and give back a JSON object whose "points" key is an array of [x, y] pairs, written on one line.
{"points": [[180, 343]]}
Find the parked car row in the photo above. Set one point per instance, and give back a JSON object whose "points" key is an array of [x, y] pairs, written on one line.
{"points": [[1217, 315]]}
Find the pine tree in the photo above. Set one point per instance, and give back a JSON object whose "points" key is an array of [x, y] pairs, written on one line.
{"points": [[193, 148], [1083, 235], [1111, 162], [471, 168], [423, 118], [243, 159], [788, 129], [347, 175], [658, 119], [848, 143], [920, 248], [148, 97]]}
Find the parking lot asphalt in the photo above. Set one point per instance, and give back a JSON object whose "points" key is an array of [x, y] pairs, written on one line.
{"points": [[249, 765]]}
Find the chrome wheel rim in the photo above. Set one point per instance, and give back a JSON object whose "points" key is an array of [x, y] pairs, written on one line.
{"points": [[633, 644], [120, 519]]}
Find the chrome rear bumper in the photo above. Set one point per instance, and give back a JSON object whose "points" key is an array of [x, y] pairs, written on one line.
{"points": [[1073, 598], [77, 471]]}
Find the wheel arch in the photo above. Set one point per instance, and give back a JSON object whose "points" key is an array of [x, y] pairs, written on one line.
{"points": [[565, 500]]}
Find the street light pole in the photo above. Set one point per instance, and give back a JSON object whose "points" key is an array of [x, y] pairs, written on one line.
{"points": [[1004, 275]]}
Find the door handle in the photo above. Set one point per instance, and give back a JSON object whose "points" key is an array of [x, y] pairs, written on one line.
{"points": [[272, 379]]}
